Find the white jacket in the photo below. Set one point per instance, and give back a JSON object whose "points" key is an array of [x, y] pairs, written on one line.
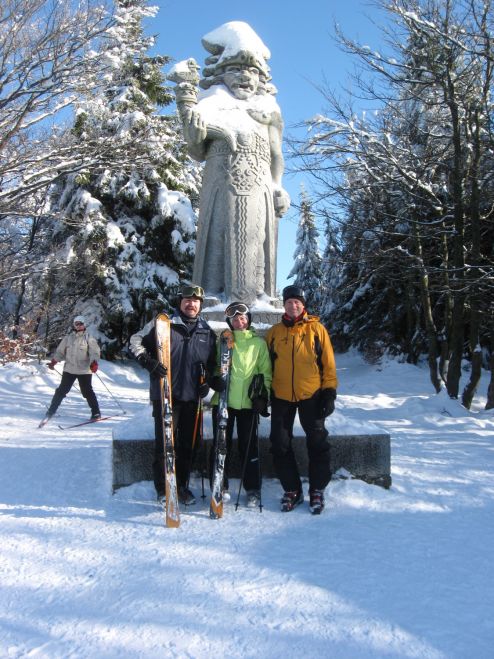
{"points": [[78, 350]]}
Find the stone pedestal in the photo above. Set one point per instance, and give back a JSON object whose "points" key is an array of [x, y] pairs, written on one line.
{"points": [[262, 317], [366, 457]]}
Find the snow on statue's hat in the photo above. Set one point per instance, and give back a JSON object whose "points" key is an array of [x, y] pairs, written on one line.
{"points": [[235, 43]]}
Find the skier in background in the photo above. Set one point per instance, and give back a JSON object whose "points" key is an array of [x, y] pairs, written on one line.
{"points": [[192, 348], [304, 380], [81, 352], [250, 358]]}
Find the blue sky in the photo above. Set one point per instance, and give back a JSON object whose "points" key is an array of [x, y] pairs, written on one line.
{"points": [[303, 54]]}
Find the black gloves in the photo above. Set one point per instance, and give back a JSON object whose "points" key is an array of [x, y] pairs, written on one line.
{"points": [[217, 383], [326, 400], [259, 395], [203, 389], [260, 406], [153, 366]]}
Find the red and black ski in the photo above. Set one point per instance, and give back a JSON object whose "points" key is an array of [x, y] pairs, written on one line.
{"points": [[86, 423], [226, 349], [162, 325]]}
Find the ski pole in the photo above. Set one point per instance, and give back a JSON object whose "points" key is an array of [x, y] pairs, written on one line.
{"points": [[203, 494], [61, 375], [246, 457], [202, 379], [259, 471], [194, 436], [255, 391], [115, 399]]}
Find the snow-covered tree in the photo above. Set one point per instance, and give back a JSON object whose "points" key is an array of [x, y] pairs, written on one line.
{"points": [[331, 267], [48, 58], [414, 181], [123, 239], [307, 258]]}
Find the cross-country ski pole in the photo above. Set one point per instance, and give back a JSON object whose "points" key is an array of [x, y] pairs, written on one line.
{"points": [[61, 375], [115, 399]]}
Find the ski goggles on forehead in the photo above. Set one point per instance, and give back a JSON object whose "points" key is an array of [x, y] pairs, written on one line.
{"points": [[192, 291], [236, 309]]}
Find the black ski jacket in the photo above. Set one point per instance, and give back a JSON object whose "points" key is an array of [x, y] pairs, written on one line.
{"points": [[190, 346]]}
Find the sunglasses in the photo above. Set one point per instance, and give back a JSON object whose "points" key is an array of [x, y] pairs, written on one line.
{"points": [[192, 291], [237, 308], [78, 323]]}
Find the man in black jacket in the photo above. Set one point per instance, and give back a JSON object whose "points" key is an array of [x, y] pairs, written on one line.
{"points": [[193, 348]]}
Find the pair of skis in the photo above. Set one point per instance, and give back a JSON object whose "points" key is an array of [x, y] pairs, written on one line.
{"points": [[162, 325]]}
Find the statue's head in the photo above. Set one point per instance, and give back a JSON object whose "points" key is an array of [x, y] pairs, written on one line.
{"points": [[241, 79], [238, 60]]}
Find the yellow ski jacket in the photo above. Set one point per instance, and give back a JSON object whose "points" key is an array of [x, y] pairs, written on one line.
{"points": [[302, 357]]}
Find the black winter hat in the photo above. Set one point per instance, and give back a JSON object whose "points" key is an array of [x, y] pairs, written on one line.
{"points": [[293, 292]]}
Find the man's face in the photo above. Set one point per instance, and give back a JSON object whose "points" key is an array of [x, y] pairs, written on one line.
{"points": [[240, 321], [79, 327], [241, 80], [190, 306], [293, 307]]}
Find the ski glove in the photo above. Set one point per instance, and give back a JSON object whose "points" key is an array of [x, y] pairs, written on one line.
{"points": [[217, 383], [326, 400], [260, 406], [153, 366], [93, 366], [51, 365], [259, 395], [203, 389]]}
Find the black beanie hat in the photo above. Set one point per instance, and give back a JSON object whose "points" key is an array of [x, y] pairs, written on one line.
{"points": [[293, 292]]}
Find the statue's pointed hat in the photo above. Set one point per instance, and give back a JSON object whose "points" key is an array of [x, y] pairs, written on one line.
{"points": [[235, 43]]}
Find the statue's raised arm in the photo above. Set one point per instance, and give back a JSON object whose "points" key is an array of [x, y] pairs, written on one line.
{"points": [[235, 126]]}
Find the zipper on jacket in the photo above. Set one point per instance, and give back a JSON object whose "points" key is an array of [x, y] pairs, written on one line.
{"points": [[294, 398]]}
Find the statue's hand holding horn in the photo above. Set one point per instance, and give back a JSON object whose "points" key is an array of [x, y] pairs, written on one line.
{"points": [[195, 129]]}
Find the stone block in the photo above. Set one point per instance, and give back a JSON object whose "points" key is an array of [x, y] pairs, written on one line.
{"points": [[262, 319], [365, 456]]}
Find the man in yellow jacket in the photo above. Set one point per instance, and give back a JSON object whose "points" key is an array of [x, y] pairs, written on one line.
{"points": [[304, 380]]}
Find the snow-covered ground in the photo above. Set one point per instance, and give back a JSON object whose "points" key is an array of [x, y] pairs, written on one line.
{"points": [[405, 572]]}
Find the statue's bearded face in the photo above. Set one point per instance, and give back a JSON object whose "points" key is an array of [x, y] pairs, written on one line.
{"points": [[242, 81]]}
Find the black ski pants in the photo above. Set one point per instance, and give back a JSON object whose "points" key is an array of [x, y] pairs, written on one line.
{"points": [[247, 421], [65, 386], [282, 420], [184, 419]]}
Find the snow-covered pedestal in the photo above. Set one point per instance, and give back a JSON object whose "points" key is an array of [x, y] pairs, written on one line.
{"points": [[264, 314], [362, 450]]}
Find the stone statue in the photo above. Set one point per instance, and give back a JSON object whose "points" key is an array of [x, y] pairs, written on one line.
{"points": [[235, 126]]}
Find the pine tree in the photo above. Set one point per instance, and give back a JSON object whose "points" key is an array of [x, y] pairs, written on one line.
{"points": [[307, 259], [125, 232], [331, 269]]}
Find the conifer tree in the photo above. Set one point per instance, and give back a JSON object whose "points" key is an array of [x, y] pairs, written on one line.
{"points": [[307, 259], [125, 228], [331, 270]]}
